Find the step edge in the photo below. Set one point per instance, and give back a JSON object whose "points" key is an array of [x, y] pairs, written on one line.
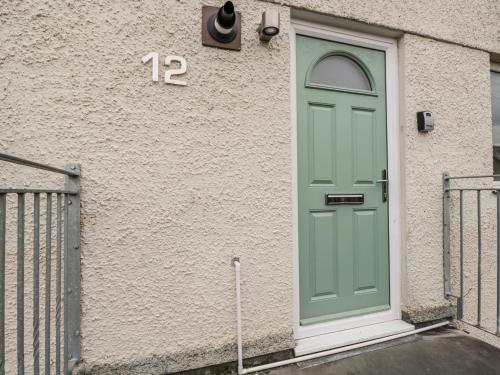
{"points": [[298, 351]]}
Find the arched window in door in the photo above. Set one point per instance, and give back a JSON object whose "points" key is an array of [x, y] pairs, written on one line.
{"points": [[340, 71]]}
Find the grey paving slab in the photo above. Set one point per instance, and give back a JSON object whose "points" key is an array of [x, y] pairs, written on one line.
{"points": [[439, 352]]}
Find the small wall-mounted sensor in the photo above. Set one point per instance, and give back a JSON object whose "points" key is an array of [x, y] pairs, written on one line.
{"points": [[221, 27], [270, 25], [425, 121]]}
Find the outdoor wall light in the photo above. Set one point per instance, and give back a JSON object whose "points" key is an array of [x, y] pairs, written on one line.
{"points": [[270, 25], [221, 27]]}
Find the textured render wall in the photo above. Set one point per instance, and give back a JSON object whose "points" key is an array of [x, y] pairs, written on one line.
{"points": [[176, 180], [472, 23], [453, 83]]}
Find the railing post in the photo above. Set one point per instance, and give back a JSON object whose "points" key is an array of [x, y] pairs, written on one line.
{"points": [[479, 256], [460, 299], [446, 234], [3, 227], [498, 262], [72, 271], [20, 283]]}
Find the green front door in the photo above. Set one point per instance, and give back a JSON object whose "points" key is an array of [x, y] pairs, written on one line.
{"points": [[342, 155]]}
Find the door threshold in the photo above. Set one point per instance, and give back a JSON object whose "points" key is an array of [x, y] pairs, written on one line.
{"points": [[334, 340]]}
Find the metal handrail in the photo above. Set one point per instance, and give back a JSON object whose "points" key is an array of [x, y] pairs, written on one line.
{"points": [[473, 189], [480, 176], [32, 164], [37, 191]]}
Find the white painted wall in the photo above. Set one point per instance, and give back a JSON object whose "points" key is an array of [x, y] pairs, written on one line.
{"points": [[453, 83], [178, 180]]}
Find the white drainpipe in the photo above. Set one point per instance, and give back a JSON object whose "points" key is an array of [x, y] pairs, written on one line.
{"points": [[238, 315], [242, 371]]}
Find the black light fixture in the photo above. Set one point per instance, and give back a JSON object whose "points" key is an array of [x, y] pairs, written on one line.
{"points": [[221, 27]]}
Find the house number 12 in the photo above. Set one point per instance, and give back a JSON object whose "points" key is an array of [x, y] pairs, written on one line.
{"points": [[155, 57]]}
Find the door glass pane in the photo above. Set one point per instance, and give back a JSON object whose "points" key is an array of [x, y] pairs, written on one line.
{"points": [[340, 71], [495, 106]]}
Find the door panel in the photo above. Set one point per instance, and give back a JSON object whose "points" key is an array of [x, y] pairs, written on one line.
{"points": [[323, 228], [321, 137], [365, 251], [341, 138], [363, 145]]}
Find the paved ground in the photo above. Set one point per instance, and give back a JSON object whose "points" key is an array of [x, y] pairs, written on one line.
{"points": [[439, 352]]}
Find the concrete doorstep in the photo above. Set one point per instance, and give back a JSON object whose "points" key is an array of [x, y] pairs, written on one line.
{"points": [[442, 351]]}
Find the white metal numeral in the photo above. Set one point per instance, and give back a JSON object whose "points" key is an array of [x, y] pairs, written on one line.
{"points": [[156, 57], [173, 72]]}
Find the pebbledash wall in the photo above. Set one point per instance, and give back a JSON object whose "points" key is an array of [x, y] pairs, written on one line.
{"points": [[176, 181]]}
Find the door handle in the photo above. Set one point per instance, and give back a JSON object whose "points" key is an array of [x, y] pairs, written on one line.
{"points": [[385, 182]]}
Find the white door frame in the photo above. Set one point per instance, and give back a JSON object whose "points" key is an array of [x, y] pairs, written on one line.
{"points": [[393, 156]]}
